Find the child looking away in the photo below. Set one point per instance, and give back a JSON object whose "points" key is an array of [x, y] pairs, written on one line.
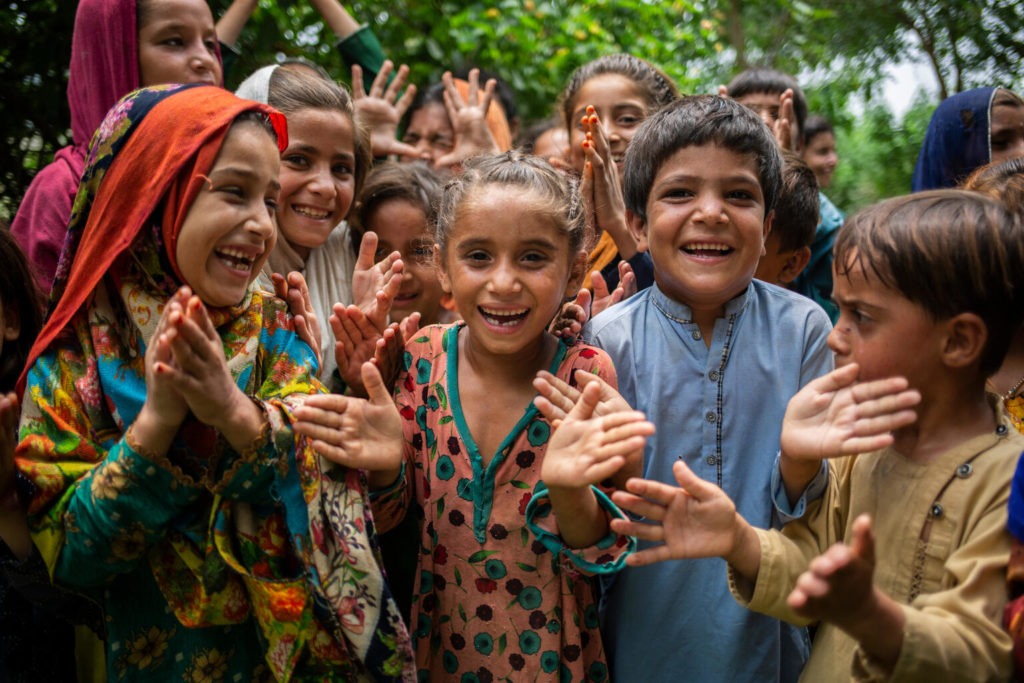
{"points": [[711, 356], [788, 245], [903, 560]]}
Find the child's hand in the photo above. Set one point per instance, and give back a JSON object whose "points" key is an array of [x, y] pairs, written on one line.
{"points": [[382, 109], [469, 119], [355, 432], [410, 325], [164, 404], [835, 415], [602, 187], [375, 285], [603, 299], [571, 319], [355, 342], [586, 449], [695, 520], [389, 354], [786, 128], [293, 289]]}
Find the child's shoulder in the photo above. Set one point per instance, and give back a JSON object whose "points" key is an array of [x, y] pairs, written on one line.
{"points": [[621, 315], [432, 338], [782, 305], [588, 358]]}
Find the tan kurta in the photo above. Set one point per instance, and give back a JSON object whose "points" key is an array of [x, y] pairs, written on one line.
{"points": [[941, 550]]}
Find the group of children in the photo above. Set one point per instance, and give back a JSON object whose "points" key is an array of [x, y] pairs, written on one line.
{"points": [[555, 396]]}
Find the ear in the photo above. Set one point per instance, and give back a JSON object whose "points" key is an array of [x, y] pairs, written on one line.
{"points": [[638, 229], [765, 229], [966, 338], [795, 264], [577, 272], [442, 273]]}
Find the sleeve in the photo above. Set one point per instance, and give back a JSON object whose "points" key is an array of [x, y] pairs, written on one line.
{"points": [[818, 359], [363, 48], [783, 513], [391, 504]]}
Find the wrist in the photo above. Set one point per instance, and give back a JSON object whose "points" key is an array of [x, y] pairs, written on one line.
{"points": [[383, 479], [745, 554]]}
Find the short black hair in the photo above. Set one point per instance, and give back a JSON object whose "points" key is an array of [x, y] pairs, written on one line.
{"points": [[797, 209], [764, 80], [816, 125], [700, 120]]}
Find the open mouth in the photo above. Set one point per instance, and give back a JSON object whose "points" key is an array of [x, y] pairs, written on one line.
{"points": [[503, 318], [310, 212], [707, 249], [236, 259]]}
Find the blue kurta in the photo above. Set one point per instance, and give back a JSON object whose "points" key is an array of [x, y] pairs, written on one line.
{"points": [[720, 409]]}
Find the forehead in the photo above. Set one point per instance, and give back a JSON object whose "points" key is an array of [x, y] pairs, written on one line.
{"points": [[709, 161], [195, 12], [822, 139], [431, 120], [1007, 115], [328, 130], [759, 100], [249, 146], [397, 218], [506, 214], [609, 90]]}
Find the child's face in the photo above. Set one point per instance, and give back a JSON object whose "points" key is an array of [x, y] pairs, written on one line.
{"points": [[820, 155], [401, 226], [882, 331], [779, 267], [705, 226], [621, 106], [178, 44], [430, 131], [1007, 132], [508, 266], [317, 177], [229, 230]]}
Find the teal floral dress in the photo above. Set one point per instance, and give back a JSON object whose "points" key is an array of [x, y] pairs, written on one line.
{"points": [[498, 596]]}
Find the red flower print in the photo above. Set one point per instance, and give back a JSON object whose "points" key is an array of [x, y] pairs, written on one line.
{"points": [[523, 502], [440, 555], [407, 413], [486, 585], [588, 353], [408, 383]]}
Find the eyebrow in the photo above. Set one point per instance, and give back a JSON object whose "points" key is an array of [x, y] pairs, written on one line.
{"points": [[244, 172], [476, 242], [310, 149]]}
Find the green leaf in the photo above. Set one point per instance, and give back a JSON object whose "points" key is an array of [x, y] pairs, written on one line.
{"points": [[481, 555], [519, 484]]}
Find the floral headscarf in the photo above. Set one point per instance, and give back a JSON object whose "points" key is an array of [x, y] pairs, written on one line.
{"points": [[274, 534]]}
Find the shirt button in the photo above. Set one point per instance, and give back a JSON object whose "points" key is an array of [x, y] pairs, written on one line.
{"points": [[695, 334], [711, 417], [713, 375], [1001, 429], [936, 510], [712, 460], [964, 470]]}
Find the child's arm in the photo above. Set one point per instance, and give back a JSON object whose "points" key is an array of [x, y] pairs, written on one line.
{"points": [[355, 432], [835, 415], [601, 188], [584, 451], [697, 519], [837, 587], [231, 23], [381, 109]]}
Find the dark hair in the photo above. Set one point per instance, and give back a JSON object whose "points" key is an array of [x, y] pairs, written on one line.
{"points": [[527, 173], [528, 138], [763, 80], [415, 183], [816, 125], [949, 252], [657, 88], [258, 118], [797, 208], [291, 90], [700, 120], [21, 299], [1003, 181]]}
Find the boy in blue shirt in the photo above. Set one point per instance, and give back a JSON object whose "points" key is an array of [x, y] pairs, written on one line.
{"points": [[711, 356]]}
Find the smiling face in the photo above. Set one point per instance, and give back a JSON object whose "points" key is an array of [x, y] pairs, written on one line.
{"points": [[1007, 131], [177, 43], [430, 131], [229, 230], [508, 265], [317, 177], [882, 331], [401, 226], [621, 106], [820, 155], [705, 227]]}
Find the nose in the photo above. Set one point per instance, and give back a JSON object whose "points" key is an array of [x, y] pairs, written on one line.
{"points": [[504, 279], [322, 181], [710, 208], [204, 64], [262, 225], [837, 340]]}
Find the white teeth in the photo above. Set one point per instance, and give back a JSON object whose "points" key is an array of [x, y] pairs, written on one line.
{"points": [[236, 257], [701, 246], [311, 212], [504, 314]]}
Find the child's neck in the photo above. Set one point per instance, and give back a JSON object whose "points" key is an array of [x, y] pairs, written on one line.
{"points": [[944, 421], [507, 369]]}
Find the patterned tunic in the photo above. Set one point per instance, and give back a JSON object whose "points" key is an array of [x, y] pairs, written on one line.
{"points": [[498, 597]]}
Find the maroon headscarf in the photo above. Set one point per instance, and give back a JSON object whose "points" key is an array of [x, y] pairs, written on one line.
{"points": [[104, 68]]}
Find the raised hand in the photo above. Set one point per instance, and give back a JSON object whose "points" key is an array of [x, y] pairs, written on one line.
{"points": [[390, 353], [355, 343], [469, 119], [695, 519], [602, 185], [382, 109], [835, 415], [356, 432], [410, 325], [785, 128], [603, 299], [293, 289], [571, 319], [375, 285], [164, 403], [585, 449]]}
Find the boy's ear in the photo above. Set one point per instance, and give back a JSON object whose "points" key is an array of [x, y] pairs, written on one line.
{"points": [[766, 228], [637, 228], [966, 337], [442, 274], [795, 264], [578, 271]]}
